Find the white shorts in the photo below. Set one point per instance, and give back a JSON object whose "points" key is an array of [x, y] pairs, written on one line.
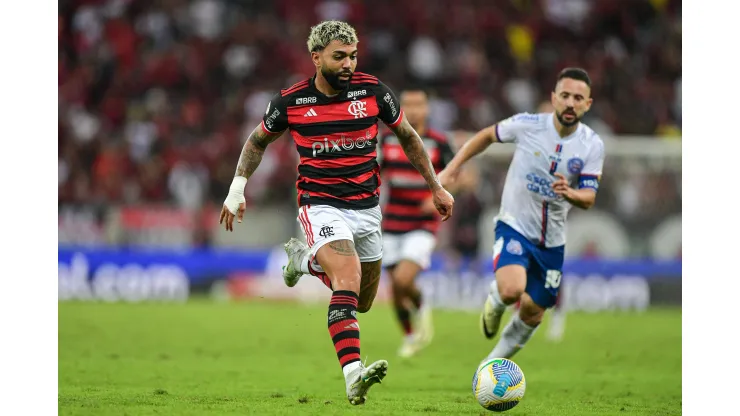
{"points": [[416, 246], [323, 224]]}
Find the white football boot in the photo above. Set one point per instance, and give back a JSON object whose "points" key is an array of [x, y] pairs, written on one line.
{"points": [[296, 251], [417, 341], [409, 346], [361, 379], [425, 325]]}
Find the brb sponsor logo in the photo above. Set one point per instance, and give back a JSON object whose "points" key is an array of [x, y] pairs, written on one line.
{"points": [[345, 143], [305, 100], [353, 94], [357, 109], [540, 185]]}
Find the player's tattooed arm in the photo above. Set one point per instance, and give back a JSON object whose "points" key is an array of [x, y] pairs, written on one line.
{"points": [[253, 150], [251, 156], [417, 155]]}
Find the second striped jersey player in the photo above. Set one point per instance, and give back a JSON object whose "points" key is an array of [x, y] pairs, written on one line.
{"points": [[410, 222]]}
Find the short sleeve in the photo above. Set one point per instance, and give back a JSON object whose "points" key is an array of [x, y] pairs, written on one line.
{"points": [[389, 108], [509, 130], [275, 119], [591, 172]]}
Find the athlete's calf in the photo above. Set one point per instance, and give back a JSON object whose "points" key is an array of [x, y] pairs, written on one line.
{"points": [[369, 284]]}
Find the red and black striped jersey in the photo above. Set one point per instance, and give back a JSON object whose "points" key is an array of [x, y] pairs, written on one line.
{"points": [[407, 188], [336, 138]]}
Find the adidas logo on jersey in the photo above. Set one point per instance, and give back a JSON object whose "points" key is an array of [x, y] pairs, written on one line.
{"points": [[310, 113]]}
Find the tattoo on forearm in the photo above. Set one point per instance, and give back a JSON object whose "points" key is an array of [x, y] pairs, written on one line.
{"points": [[343, 247], [252, 152], [414, 149]]}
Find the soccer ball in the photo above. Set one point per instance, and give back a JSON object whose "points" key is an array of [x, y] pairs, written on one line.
{"points": [[499, 384]]}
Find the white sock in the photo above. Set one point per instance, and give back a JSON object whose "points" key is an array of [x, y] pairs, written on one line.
{"points": [[303, 258], [498, 305], [350, 368], [303, 261], [513, 338]]}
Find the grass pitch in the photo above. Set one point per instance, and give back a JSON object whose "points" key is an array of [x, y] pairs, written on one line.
{"points": [[203, 358]]}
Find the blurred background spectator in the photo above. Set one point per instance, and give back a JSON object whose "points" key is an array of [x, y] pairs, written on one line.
{"points": [[156, 97]]}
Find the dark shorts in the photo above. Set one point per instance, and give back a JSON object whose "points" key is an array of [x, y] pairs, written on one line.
{"points": [[544, 265]]}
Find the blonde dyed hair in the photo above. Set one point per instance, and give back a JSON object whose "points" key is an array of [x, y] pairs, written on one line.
{"points": [[325, 32]]}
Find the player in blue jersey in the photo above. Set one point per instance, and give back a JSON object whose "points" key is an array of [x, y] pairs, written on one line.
{"points": [[557, 165]]}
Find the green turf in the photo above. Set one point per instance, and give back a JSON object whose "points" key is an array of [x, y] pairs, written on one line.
{"points": [[267, 358]]}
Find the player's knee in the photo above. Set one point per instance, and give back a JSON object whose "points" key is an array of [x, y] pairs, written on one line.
{"points": [[511, 281], [405, 273], [347, 281], [401, 282], [510, 293]]}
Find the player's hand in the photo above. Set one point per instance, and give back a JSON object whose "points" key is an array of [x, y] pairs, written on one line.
{"points": [[448, 176], [235, 204], [227, 215], [443, 201], [561, 186]]}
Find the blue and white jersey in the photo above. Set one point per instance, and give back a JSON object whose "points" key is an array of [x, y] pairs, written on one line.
{"points": [[529, 205]]}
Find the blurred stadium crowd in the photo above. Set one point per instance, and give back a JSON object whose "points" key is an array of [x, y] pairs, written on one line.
{"points": [[155, 96]]}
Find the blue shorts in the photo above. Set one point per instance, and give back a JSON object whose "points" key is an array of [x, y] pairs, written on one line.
{"points": [[544, 265]]}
